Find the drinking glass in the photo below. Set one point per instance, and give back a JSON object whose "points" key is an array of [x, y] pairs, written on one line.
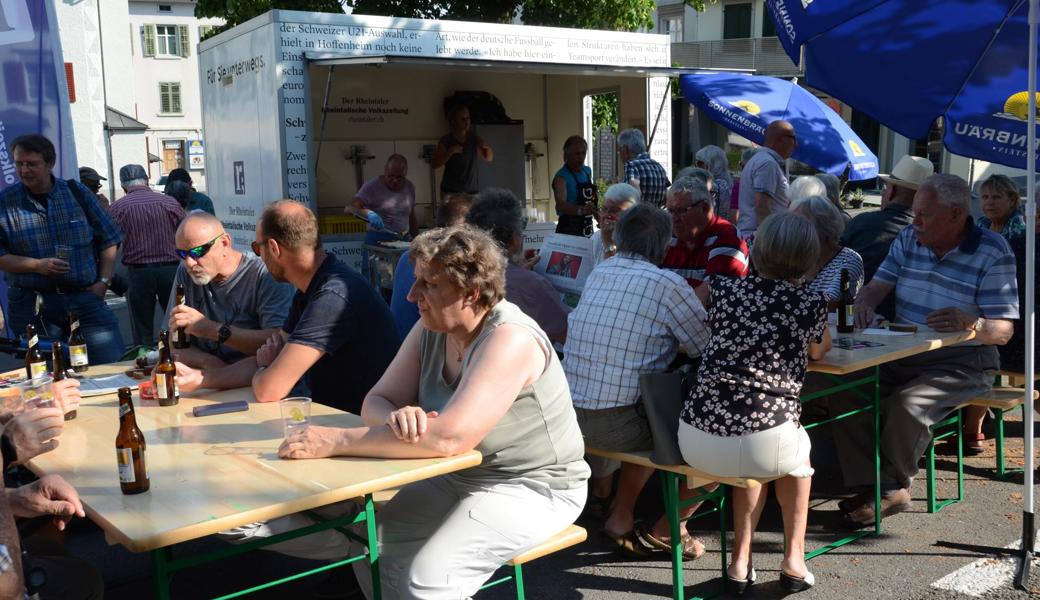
{"points": [[296, 414], [36, 393]]}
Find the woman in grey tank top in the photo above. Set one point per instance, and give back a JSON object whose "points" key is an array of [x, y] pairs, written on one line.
{"points": [[474, 373]]}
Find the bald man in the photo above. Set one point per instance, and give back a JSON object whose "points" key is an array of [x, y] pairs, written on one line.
{"points": [[233, 305], [339, 336], [763, 182]]}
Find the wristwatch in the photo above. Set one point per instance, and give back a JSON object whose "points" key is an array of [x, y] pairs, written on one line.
{"points": [[106, 280], [977, 325], [223, 333]]}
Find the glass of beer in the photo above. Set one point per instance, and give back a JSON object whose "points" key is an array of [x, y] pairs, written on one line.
{"points": [[36, 393], [296, 414], [63, 252]]}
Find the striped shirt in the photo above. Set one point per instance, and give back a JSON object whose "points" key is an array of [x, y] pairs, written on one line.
{"points": [[633, 318], [977, 277], [28, 228], [828, 280], [653, 179], [717, 251], [149, 221]]}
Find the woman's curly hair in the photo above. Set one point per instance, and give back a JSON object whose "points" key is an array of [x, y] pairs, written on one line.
{"points": [[467, 258]]}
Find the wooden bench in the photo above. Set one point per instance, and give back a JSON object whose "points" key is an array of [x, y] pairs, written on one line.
{"points": [[670, 476], [571, 536], [999, 400]]}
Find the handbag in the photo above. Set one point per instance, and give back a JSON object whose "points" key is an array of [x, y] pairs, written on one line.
{"points": [[663, 395]]}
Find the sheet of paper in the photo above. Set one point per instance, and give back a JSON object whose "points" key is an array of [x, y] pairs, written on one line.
{"points": [[96, 386], [876, 331]]}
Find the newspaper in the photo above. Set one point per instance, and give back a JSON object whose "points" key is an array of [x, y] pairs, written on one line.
{"points": [[97, 386], [566, 260]]}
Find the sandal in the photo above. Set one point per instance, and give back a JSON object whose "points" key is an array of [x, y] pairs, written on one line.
{"points": [[972, 444], [628, 544], [692, 548]]}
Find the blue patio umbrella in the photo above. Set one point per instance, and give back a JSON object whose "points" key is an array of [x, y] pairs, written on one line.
{"points": [[746, 104], [908, 62]]}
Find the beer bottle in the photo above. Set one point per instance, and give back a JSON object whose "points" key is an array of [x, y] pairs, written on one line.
{"points": [[166, 373], [846, 318], [60, 370], [77, 346], [35, 362], [180, 337], [133, 472]]}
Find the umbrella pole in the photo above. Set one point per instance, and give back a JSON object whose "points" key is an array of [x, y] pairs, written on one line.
{"points": [[1028, 526]]}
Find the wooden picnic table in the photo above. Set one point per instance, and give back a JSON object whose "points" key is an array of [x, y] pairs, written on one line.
{"points": [[212, 473]]}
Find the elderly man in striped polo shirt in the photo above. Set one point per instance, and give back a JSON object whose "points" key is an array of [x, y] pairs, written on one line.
{"points": [[948, 275]]}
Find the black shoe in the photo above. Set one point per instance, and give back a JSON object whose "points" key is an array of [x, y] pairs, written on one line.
{"points": [[339, 584], [737, 587], [794, 585]]}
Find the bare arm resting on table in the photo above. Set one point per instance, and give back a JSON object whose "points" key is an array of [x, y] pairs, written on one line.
{"points": [[510, 359]]}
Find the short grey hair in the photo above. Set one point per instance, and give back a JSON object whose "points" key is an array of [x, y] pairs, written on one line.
{"points": [[951, 190], [133, 182], [703, 175], [498, 212], [621, 192], [824, 216], [716, 161], [786, 246], [644, 230], [698, 190], [633, 140], [806, 186], [833, 185], [746, 155]]}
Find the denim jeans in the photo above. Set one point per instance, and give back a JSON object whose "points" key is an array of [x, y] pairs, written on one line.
{"points": [[96, 321]]}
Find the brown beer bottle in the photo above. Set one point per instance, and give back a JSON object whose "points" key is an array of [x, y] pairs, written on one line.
{"points": [[60, 370], [35, 362], [846, 316], [166, 373], [133, 472], [180, 337], [77, 346]]}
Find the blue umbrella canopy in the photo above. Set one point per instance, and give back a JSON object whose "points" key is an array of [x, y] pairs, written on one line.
{"points": [[746, 104], [907, 62]]}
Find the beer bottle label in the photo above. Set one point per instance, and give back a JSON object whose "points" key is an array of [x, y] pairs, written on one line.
{"points": [[161, 346], [78, 355], [38, 369], [850, 313], [172, 387], [73, 328], [160, 385], [176, 335], [34, 340], [125, 458], [124, 409]]}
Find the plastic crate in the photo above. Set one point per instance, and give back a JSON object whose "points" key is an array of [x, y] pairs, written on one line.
{"points": [[333, 224]]}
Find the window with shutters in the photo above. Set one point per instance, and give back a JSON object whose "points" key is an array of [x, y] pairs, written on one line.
{"points": [[169, 98], [167, 40]]}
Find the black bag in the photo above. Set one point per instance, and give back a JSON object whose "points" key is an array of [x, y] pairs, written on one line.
{"points": [[663, 395]]}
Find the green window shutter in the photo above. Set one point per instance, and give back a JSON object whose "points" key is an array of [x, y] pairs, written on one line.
{"points": [[148, 33], [164, 98], [175, 97], [185, 41]]}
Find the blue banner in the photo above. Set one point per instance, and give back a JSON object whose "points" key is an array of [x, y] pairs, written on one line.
{"points": [[33, 91]]}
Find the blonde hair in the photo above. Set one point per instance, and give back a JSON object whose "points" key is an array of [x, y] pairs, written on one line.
{"points": [[1002, 184], [467, 257]]}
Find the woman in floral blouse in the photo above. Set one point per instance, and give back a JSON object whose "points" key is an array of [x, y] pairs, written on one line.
{"points": [[741, 418]]}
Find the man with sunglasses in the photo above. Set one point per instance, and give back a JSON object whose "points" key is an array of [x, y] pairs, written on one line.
{"points": [[704, 244], [92, 179], [232, 304], [763, 182], [37, 216], [149, 222]]}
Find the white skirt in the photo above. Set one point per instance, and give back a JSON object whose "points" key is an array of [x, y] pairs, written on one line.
{"points": [[771, 453]]}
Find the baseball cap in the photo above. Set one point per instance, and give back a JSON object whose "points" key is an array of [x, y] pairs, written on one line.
{"points": [[131, 172], [89, 174]]}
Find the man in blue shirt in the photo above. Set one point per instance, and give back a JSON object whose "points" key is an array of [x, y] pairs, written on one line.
{"points": [[949, 276], [56, 242]]}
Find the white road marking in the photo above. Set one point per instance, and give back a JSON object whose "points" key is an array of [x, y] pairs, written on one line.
{"points": [[984, 575]]}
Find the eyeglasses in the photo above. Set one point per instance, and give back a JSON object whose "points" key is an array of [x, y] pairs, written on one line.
{"points": [[791, 137], [28, 164], [198, 251], [256, 246], [678, 213]]}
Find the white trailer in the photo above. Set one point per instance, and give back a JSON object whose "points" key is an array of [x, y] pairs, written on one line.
{"points": [[308, 106]]}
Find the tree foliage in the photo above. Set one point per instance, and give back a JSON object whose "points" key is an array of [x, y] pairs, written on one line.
{"points": [[239, 11]]}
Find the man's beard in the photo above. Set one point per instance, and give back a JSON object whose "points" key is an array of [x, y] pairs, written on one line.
{"points": [[200, 278]]}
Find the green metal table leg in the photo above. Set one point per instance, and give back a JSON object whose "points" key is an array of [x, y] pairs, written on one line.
{"points": [[670, 481], [162, 573], [518, 577], [373, 546], [877, 450]]}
